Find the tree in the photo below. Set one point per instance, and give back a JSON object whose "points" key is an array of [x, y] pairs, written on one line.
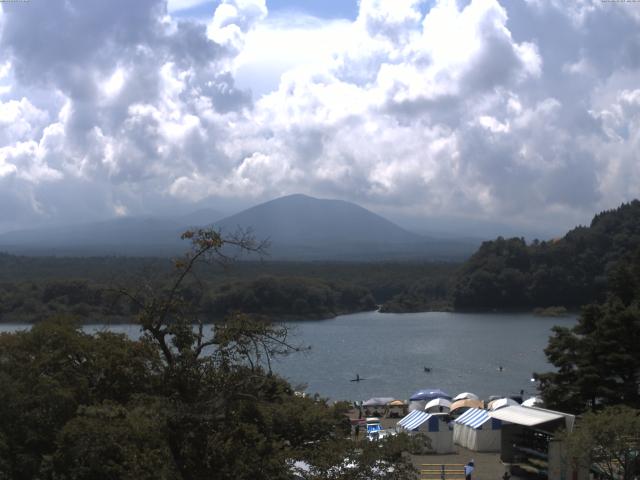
{"points": [[598, 360], [48, 373], [607, 441], [110, 441]]}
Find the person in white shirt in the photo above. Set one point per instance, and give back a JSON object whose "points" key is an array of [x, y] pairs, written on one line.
{"points": [[468, 470]]}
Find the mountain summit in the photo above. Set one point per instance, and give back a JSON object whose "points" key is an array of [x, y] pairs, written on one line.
{"points": [[303, 220], [300, 227]]}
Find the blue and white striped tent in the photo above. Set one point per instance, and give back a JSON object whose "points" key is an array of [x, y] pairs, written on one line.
{"points": [[434, 426], [477, 431], [414, 420]]}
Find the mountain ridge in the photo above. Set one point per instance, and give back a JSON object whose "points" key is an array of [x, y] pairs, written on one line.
{"points": [[298, 227]]}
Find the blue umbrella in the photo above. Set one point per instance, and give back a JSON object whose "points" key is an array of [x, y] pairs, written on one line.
{"points": [[429, 394]]}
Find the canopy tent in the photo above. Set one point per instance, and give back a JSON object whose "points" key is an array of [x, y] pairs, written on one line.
{"points": [[532, 402], [477, 431], [429, 394], [527, 438], [438, 405], [459, 405], [419, 400], [532, 416], [501, 403], [378, 402], [433, 426], [466, 396], [397, 408]]}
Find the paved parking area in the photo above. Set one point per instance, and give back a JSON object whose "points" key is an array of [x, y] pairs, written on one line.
{"points": [[487, 465]]}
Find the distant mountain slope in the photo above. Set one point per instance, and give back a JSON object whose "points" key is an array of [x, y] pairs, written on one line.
{"points": [[303, 220], [121, 236], [298, 227], [570, 271]]}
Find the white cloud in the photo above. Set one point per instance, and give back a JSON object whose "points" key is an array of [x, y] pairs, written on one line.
{"points": [[233, 19], [287, 42], [415, 106]]}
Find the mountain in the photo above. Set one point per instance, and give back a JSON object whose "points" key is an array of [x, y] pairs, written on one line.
{"points": [[297, 227], [299, 219], [121, 236], [302, 227]]}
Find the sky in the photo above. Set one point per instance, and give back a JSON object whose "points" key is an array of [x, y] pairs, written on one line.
{"points": [[522, 112]]}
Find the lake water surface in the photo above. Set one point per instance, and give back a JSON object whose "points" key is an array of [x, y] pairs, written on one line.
{"points": [[463, 351]]}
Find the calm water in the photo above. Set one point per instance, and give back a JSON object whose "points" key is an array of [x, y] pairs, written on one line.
{"points": [[390, 351]]}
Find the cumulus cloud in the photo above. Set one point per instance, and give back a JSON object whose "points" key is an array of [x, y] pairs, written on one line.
{"points": [[524, 110], [118, 95]]}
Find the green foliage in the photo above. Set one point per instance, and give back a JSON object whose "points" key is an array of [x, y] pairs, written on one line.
{"points": [[110, 441], [598, 360], [49, 372], [569, 272], [293, 297], [430, 293], [607, 441]]}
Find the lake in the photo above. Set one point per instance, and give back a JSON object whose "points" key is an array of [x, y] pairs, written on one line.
{"points": [[464, 352]]}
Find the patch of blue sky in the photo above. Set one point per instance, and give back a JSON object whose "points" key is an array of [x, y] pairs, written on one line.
{"points": [[327, 9], [330, 9]]}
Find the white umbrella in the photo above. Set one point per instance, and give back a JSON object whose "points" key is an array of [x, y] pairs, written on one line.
{"points": [[501, 402], [466, 396], [437, 404], [532, 402]]}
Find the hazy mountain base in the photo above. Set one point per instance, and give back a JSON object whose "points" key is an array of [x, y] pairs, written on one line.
{"points": [[297, 227]]}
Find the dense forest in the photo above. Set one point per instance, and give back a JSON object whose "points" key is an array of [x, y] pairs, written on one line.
{"points": [[274, 297], [570, 271], [32, 288], [280, 297]]}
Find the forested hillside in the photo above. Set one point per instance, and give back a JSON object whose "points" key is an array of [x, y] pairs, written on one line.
{"points": [[570, 271]]}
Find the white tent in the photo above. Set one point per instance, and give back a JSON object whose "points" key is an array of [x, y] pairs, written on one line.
{"points": [[466, 396], [501, 403], [433, 426], [377, 402], [438, 405], [532, 402], [532, 416], [477, 431]]}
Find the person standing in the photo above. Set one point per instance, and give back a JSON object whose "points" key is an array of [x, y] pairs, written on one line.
{"points": [[468, 470]]}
